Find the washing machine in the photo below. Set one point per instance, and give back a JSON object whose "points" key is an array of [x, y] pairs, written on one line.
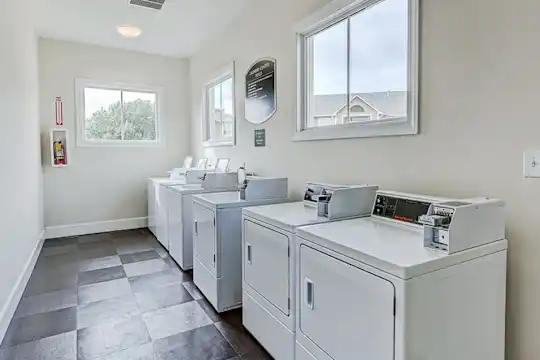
{"points": [[180, 213], [157, 201], [269, 232], [422, 278], [217, 238]]}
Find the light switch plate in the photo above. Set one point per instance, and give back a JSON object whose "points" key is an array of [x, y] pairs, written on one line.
{"points": [[531, 164]]}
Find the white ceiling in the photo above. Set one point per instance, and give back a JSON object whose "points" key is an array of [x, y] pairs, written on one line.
{"points": [[177, 30]]}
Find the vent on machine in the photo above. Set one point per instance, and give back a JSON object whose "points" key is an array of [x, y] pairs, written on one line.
{"points": [[151, 4]]}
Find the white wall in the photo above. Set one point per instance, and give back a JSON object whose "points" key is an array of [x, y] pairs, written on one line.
{"points": [[475, 56], [20, 176], [108, 183]]}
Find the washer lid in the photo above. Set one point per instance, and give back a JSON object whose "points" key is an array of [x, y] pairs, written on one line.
{"points": [[168, 181], [197, 189], [393, 248], [222, 200], [286, 216]]}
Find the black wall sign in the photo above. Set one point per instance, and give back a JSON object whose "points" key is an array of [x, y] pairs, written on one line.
{"points": [[261, 91], [260, 138]]}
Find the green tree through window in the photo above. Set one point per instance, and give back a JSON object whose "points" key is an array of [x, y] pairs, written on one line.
{"points": [[136, 120]]}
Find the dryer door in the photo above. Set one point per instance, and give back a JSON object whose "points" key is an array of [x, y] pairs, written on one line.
{"points": [[204, 236], [266, 264], [345, 311]]}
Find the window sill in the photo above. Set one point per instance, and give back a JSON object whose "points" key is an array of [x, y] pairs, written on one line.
{"points": [[119, 144], [357, 130], [218, 143]]}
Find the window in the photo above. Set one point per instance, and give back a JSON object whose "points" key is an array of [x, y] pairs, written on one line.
{"points": [[357, 70], [114, 114], [219, 110]]}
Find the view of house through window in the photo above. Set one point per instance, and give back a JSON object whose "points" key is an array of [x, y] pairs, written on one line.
{"points": [[359, 67], [119, 115], [219, 122]]}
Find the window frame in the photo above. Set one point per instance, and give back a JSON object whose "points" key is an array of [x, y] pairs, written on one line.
{"points": [[81, 84], [331, 14], [223, 75]]}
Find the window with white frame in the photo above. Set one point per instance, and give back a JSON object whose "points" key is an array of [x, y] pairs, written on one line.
{"points": [[117, 114], [219, 110], [357, 70]]}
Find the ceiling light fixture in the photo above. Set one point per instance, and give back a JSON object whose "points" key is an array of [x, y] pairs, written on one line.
{"points": [[129, 31]]}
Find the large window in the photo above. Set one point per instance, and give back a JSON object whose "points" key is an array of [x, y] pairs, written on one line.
{"points": [[219, 105], [357, 70], [114, 114]]}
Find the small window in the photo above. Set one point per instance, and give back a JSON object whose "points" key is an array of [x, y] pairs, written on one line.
{"points": [[219, 110], [357, 70], [114, 114]]}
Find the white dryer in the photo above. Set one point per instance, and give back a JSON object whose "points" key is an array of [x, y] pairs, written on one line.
{"points": [[180, 213], [269, 251], [423, 278], [217, 238]]}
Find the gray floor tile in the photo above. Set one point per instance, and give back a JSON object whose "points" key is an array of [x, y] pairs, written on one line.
{"points": [[100, 263], [175, 319], [145, 267], [57, 347], [193, 290], [101, 275], [162, 297], [60, 250], [239, 338], [56, 262], [94, 253], [143, 352], [60, 241], [111, 337], [94, 238], [209, 310], [104, 290], [39, 326], [37, 304], [205, 343], [162, 252], [100, 311], [98, 244], [157, 279], [171, 263], [259, 354], [140, 256], [128, 234], [45, 281], [130, 247]]}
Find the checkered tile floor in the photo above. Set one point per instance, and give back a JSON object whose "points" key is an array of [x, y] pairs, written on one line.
{"points": [[118, 296]]}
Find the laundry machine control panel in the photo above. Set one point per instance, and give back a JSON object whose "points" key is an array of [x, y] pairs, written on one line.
{"points": [[401, 209]]}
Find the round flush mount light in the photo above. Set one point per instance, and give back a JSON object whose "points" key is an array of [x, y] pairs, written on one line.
{"points": [[129, 31]]}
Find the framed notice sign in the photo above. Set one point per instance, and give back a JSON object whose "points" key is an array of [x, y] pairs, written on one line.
{"points": [[261, 98]]}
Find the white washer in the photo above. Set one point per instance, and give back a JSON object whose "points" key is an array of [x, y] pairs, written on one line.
{"points": [[370, 289], [269, 251], [180, 213], [217, 241], [156, 201]]}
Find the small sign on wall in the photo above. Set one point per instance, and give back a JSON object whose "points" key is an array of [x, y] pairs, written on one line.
{"points": [[59, 111], [260, 138]]}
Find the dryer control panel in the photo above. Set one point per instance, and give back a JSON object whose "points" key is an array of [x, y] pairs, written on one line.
{"points": [[402, 209]]}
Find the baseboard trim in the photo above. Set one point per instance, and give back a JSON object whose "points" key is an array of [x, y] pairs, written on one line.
{"points": [[6, 314], [52, 232]]}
